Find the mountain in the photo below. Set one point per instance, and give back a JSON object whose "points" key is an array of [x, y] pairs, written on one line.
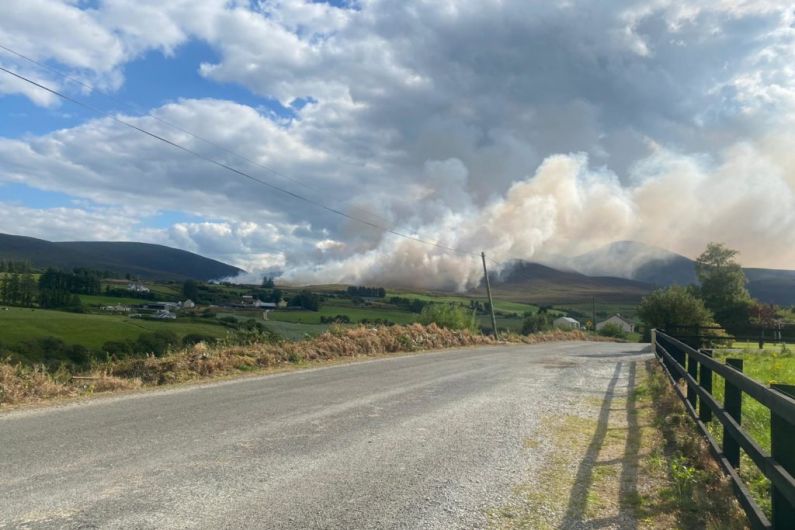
{"points": [[143, 260], [637, 261], [644, 263], [524, 281]]}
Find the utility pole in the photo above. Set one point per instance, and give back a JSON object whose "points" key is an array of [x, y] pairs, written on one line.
{"points": [[488, 292], [593, 313]]}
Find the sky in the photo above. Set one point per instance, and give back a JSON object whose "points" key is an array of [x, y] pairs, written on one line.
{"points": [[525, 129]]}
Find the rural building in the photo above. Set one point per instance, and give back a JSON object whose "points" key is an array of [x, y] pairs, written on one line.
{"points": [[625, 325], [248, 302], [160, 306], [137, 287], [565, 323], [165, 315], [118, 308], [188, 304]]}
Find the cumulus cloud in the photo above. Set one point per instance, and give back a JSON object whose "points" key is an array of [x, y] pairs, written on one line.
{"points": [[525, 129]]}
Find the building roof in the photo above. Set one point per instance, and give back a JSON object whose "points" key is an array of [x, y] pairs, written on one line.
{"points": [[618, 317], [566, 319]]}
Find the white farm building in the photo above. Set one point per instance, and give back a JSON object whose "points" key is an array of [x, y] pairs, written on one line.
{"points": [[565, 323], [617, 320]]}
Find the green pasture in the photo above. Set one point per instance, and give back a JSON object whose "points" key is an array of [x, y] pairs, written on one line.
{"points": [[499, 305], [355, 313], [767, 366], [100, 300], [603, 310], [18, 325]]}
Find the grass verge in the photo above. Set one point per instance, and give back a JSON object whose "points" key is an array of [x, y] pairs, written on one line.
{"points": [[21, 384], [640, 464]]}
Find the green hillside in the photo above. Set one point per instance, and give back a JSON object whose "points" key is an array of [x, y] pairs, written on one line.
{"points": [[142, 260]]}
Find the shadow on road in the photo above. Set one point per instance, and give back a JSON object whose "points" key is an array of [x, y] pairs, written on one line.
{"points": [[585, 488]]}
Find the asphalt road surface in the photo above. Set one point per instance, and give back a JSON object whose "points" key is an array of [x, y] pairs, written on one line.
{"points": [[425, 441]]}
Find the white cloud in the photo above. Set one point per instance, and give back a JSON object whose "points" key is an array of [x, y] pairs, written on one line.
{"points": [[452, 121]]}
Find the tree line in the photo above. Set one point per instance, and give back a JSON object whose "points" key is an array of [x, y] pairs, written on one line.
{"points": [[54, 288], [15, 266], [366, 292]]}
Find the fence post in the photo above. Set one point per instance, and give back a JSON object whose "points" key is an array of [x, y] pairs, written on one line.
{"points": [[733, 403], [782, 440], [692, 370], [705, 381]]}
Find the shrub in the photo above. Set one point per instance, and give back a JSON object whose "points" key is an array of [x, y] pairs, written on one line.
{"points": [[612, 330], [535, 323], [117, 348], [449, 316], [158, 342], [194, 338]]}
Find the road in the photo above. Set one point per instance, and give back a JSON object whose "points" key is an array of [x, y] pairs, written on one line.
{"points": [[422, 441]]}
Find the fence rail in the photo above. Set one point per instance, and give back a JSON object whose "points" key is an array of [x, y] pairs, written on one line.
{"points": [[697, 368]]}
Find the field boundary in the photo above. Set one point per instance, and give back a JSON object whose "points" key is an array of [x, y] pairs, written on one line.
{"points": [[696, 368]]}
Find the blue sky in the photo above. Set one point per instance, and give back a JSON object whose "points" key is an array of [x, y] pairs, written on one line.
{"points": [[529, 130]]}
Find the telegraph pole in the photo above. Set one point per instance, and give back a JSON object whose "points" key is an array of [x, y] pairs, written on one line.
{"points": [[488, 292]]}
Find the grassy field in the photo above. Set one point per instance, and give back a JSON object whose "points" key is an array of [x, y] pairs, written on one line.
{"points": [[603, 310], [340, 307], [20, 324], [768, 366], [499, 305], [100, 300]]}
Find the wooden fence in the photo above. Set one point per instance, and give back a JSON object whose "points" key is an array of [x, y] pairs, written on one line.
{"points": [[697, 369]]}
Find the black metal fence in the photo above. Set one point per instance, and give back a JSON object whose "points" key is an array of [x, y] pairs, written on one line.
{"points": [[697, 369]]}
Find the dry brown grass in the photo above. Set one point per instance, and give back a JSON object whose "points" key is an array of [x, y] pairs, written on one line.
{"points": [[20, 384]]}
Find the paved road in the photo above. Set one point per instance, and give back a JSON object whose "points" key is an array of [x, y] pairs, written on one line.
{"points": [[426, 441]]}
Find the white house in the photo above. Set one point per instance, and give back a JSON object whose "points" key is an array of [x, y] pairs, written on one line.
{"points": [[565, 323], [188, 304], [137, 287], [625, 325]]}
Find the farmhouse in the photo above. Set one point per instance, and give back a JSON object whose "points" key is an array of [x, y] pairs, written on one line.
{"points": [[565, 323], [617, 320], [137, 287]]}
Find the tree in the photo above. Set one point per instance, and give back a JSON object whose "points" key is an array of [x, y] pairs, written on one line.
{"points": [[674, 305], [723, 285], [190, 289], [451, 316], [306, 300], [267, 282], [535, 322]]}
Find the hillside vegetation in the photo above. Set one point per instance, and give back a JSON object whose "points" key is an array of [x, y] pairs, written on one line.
{"points": [[143, 260]]}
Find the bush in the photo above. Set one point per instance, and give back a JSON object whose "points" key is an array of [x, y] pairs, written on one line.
{"points": [[194, 338], [336, 319], [612, 330], [535, 323], [449, 316], [158, 342], [117, 348], [673, 306]]}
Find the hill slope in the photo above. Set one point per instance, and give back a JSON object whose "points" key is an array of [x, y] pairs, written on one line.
{"points": [[644, 263], [139, 259], [534, 283]]}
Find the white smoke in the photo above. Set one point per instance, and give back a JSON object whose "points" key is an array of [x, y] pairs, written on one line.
{"points": [[566, 207]]}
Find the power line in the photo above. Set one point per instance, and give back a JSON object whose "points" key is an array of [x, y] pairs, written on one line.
{"points": [[234, 170], [138, 109]]}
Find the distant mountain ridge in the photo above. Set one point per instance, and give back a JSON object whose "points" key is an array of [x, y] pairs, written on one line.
{"points": [[524, 281], [143, 260], [645, 263]]}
